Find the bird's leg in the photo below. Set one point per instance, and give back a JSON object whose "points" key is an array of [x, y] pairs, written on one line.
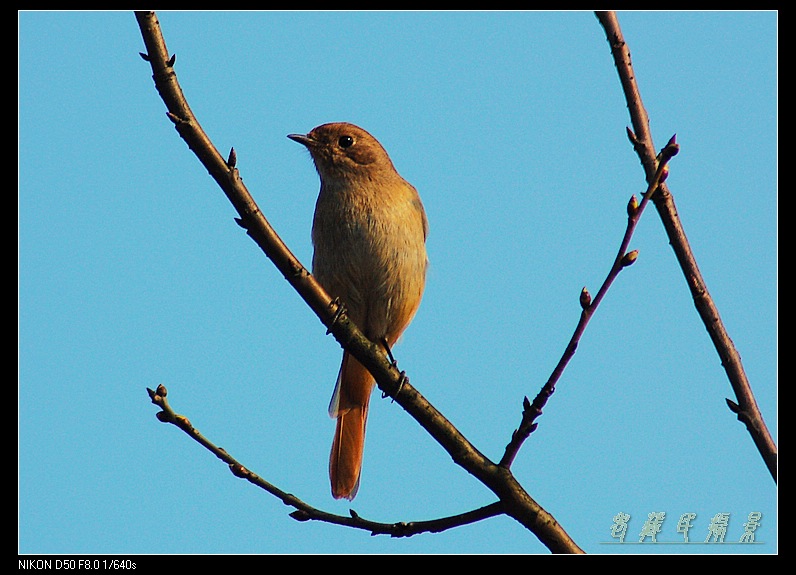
{"points": [[389, 352], [402, 378], [337, 314]]}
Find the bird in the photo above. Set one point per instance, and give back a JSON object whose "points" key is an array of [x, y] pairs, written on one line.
{"points": [[369, 234]]}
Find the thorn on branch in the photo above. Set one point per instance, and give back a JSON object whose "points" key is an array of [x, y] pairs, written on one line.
{"points": [[144, 56], [170, 62]]}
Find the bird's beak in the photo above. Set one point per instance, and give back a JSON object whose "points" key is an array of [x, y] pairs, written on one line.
{"points": [[302, 139]]}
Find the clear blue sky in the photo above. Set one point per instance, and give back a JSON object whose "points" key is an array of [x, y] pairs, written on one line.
{"points": [[511, 125]]}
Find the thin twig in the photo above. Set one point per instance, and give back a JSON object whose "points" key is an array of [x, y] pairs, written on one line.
{"points": [[532, 410], [304, 511], [746, 407]]}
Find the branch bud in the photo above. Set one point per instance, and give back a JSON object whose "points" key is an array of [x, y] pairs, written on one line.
{"points": [[238, 470], [632, 206], [671, 148], [585, 298], [300, 515], [632, 136], [629, 258]]}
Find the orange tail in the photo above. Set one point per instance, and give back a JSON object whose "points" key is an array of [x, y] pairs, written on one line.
{"points": [[350, 406]]}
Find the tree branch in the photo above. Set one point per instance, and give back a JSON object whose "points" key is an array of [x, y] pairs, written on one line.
{"points": [[516, 502], [304, 511], [623, 259], [746, 407]]}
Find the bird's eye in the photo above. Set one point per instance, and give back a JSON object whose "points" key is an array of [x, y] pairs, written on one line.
{"points": [[345, 141]]}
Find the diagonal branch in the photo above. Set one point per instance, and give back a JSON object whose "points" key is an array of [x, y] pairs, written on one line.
{"points": [[623, 259], [746, 407], [516, 502]]}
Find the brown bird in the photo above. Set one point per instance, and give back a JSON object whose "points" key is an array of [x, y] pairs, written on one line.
{"points": [[369, 234]]}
